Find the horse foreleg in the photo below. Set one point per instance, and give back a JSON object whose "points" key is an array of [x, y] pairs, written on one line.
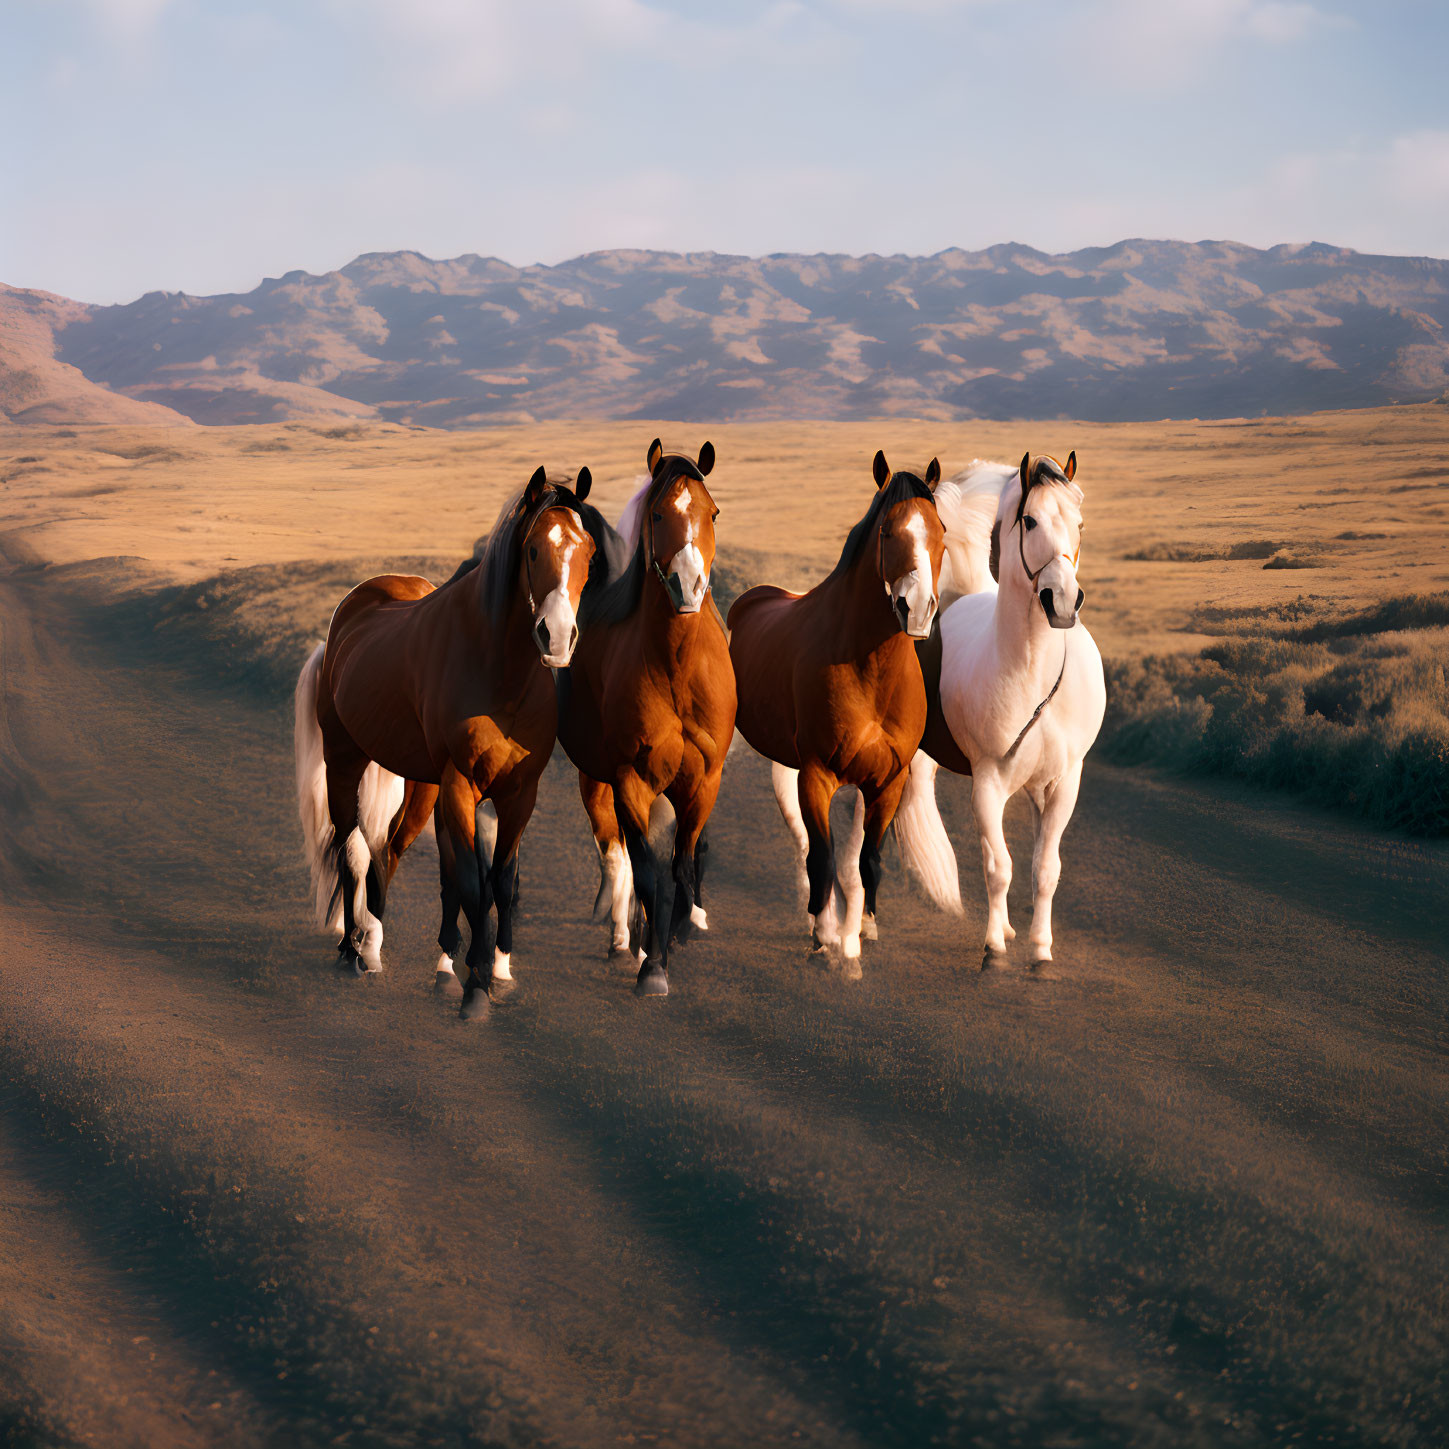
{"points": [[633, 800], [693, 795], [459, 814], [450, 938], [701, 859], [817, 788], [616, 880], [873, 816], [988, 803], [514, 812], [1046, 860]]}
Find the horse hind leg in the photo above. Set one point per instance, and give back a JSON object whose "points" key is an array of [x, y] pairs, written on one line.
{"points": [[850, 880], [786, 784], [616, 878]]}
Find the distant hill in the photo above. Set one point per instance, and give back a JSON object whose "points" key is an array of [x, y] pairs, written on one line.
{"points": [[1139, 330], [36, 388]]}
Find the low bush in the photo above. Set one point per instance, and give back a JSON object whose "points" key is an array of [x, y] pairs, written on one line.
{"points": [[1352, 711]]}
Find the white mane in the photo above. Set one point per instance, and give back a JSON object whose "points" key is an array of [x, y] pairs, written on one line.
{"points": [[967, 505], [631, 519]]}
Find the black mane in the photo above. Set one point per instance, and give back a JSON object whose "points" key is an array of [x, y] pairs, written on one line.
{"points": [[614, 593], [899, 489], [502, 552]]}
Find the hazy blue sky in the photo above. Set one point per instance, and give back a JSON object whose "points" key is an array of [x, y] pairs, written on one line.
{"points": [[204, 144]]}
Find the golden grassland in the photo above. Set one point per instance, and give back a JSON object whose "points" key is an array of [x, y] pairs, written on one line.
{"points": [[1270, 594], [1349, 507]]}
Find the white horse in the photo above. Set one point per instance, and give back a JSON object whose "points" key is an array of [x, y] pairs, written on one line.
{"points": [[1021, 691]]}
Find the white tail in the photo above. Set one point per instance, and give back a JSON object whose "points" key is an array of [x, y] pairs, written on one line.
{"points": [[379, 798], [923, 839]]}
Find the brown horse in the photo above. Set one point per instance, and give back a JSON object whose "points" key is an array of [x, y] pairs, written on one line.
{"points": [[830, 688], [648, 706], [448, 688]]}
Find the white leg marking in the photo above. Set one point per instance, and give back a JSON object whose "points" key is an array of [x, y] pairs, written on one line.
{"points": [[785, 783], [848, 875], [502, 969], [697, 915]]}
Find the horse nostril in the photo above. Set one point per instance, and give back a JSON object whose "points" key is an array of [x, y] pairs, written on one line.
{"points": [[903, 612], [1047, 603], [1080, 597], [540, 634], [573, 636]]}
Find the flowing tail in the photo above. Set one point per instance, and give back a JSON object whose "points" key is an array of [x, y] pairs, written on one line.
{"points": [[379, 798], [923, 839]]}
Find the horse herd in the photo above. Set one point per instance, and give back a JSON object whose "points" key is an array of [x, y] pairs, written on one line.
{"points": [[946, 634]]}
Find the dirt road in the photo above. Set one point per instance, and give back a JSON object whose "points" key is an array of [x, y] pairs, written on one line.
{"points": [[1192, 1193]]}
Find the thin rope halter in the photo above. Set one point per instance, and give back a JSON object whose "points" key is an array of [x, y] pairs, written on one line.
{"points": [[1020, 527]]}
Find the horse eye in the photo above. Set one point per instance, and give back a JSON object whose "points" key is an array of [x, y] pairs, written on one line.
{"points": [[1030, 522], [658, 518], [533, 554]]}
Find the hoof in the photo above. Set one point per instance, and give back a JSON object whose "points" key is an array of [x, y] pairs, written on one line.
{"points": [[992, 960], [652, 981], [476, 1006], [1044, 970], [500, 988], [350, 964], [850, 968], [868, 931], [618, 952], [446, 983]]}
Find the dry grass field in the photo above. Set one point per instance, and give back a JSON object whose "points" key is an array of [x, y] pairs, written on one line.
{"points": [[1193, 1192], [1355, 504]]}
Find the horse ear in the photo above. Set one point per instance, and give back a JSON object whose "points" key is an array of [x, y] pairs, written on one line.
{"points": [[880, 469], [1071, 469], [582, 484], [706, 460], [933, 474], [654, 457], [994, 561], [536, 485], [1025, 471]]}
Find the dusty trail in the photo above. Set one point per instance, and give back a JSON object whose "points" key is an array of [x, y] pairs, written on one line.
{"points": [[1194, 1192]]}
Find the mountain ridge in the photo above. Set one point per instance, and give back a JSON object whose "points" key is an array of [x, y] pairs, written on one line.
{"points": [[1139, 329]]}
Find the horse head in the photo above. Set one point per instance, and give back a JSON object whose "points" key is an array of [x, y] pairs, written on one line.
{"points": [[1047, 522], [555, 553], [678, 525], [910, 542]]}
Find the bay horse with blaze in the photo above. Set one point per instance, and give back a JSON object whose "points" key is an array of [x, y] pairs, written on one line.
{"points": [[831, 691], [647, 708], [448, 689]]}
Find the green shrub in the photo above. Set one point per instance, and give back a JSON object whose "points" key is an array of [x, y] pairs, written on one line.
{"points": [[1350, 711]]}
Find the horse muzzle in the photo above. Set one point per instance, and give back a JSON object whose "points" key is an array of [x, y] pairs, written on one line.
{"points": [[556, 631], [686, 583], [914, 603], [1049, 608]]}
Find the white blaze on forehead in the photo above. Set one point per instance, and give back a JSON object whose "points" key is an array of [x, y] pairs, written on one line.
{"points": [[921, 554], [683, 501], [555, 534]]}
